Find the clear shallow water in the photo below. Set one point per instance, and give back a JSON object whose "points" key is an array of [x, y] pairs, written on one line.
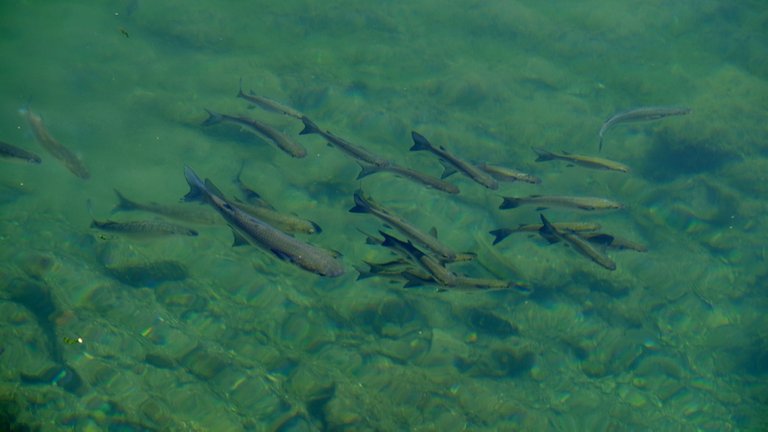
{"points": [[674, 339]]}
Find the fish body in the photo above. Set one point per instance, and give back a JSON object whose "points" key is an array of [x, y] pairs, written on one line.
{"points": [[9, 151], [259, 233], [508, 174], [365, 204], [640, 114], [345, 146], [612, 242], [453, 163], [431, 265], [268, 104], [411, 174], [544, 201], [281, 221], [282, 141], [552, 234], [502, 233], [54, 147], [143, 228], [178, 212], [585, 161]]}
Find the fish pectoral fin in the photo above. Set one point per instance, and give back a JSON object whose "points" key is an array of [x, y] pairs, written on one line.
{"points": [[282, 255], [238, 240], [448, 170], [433, 232]]}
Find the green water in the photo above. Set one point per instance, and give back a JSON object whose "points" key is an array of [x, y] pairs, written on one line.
{"points": [[188, 333]]}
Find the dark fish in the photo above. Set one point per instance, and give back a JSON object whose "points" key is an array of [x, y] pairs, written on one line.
{"points": [[143, 228], [282, 141], [149, 274], [640, 114], [261, 234], [54, 147], [544, 201], [453, 163], [8, 151], [366, 204], [268, 104], [502, 233], [36, 296], [612, 242], [553, 235], [174, 211], [439, 273], [585, 161], [419, 177], [345, 146], [508, 174]]}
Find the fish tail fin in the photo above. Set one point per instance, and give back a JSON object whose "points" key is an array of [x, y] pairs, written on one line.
{"points": [[548, 231], [309, 127], [366, 170], [213, 118], [123, 203], [362, 205], [419, 142], [510, 202], [499, 234], [197, 190], [543, 155]]}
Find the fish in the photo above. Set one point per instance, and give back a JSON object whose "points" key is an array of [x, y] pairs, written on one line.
{"points": [[411, 174], [544, 201], [452, 163], [143, 228], [11, 152], [612, 242], [508, 174], [282, 141], [366, 204], [178, 212], [345, 146], [502, 233], [639, 114], [553, 235], [439, 273], [247, 228], [585, 161], [268, 104], [54, 147], [282, 221]]}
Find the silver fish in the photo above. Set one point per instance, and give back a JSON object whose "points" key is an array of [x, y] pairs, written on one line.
{"points": [[544, 201], [640, 114], [268, 104], [553, 235], [508, 174], [282, 141], [585, 161], [176, 211], [345, 146], [259, 233], [417, 176], [453, 163], [143, 228], [366, 204]]}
